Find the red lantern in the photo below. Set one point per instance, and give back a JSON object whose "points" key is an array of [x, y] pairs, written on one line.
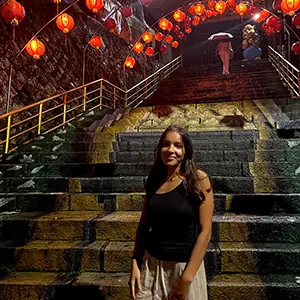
{"points": [[35, 48], [176, 28], [290, 6], [214, 13], [274, 24], [203, 18], [65, 22], [170, 26], [192, 9], [264, 14], [188, 30], [147, 37], [146, 2], [169, 39], [196, 21], [180, 35], [149, 51], [296, 48], [208, 13], [230, 4], [110, 24], [158, 36], [138, 47], [163, 48], [241, 9], [179, 15], [175, 44], [94, 5], [163, 24], [96, 42], [13, 12], [199, 9], [126, 12], [220, 7], [130, 62], [277, 5], [296, 21], [211, 4]]}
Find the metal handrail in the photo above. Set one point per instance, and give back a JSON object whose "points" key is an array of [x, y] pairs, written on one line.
{"points": [[289, 73], [49, 114]]}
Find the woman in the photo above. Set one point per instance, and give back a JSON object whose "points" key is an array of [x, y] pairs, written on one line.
{"points": [[175, 225], [224, 50]]}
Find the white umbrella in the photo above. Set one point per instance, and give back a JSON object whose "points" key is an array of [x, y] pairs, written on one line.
{"points": [[220, 36]]}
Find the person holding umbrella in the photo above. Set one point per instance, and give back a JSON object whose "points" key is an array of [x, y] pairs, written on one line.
{"points": [[224, 48]]}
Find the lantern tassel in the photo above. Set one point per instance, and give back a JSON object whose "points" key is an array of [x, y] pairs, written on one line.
{"points": [[57, 8], [14, 33], [66, 41], [95, 19]]}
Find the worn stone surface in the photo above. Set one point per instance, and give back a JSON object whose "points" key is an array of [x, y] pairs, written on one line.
{"points": [[60, 68]]}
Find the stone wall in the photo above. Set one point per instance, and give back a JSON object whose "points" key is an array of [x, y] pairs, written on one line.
{"points": [[60, 68]]}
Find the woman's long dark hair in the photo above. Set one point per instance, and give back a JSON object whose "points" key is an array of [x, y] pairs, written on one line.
{"points": [[188, 168]]}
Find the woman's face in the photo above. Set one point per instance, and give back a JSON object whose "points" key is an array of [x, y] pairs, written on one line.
{"points": [[172, 151]]}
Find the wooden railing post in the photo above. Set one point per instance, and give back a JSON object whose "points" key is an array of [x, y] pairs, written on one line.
{"points": [[115, 98], [101, 94], [84, 98], [40, 118], [65, 110], [8, 134]]}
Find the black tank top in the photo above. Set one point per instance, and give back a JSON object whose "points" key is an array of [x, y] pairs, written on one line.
{"points": [[172, 218]]}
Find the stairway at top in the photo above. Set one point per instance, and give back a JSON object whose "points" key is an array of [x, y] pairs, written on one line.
{"points": [[196, 84], [72, 235]]}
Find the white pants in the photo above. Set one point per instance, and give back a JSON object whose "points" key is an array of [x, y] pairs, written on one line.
{"points": [[225, 57], [157, 278]]}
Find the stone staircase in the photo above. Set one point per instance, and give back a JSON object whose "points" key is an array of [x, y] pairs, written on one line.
{"points": [[205, 83], [67, 229]]}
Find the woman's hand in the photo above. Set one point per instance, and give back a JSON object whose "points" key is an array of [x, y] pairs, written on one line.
{"points": [[180, 289], [135, 279]]}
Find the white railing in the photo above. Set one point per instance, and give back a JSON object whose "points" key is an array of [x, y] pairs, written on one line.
{"points": [[286, 70]]}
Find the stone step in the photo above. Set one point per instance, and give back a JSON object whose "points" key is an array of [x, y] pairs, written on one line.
{"points": [[139, 168], [261, 258], [259, 204], [200, 156], [221, 135], [203, 145], [114, 286], [121, 226], [121, 169], [99, 256], [130, 184], [228, 227]]}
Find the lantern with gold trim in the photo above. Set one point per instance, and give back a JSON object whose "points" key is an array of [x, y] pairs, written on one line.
{"points": [[169, 39], [35, 48], [138, 47], [179, 16], [129, 62], [65, 22], [96, 42], [241, 9], [191, 9], [13, 12], [158, 36], [147, 37], [290, 6], [199, 9], [220, 7], [149, 51], [211, 4], [175, 44], [163, 24]]}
